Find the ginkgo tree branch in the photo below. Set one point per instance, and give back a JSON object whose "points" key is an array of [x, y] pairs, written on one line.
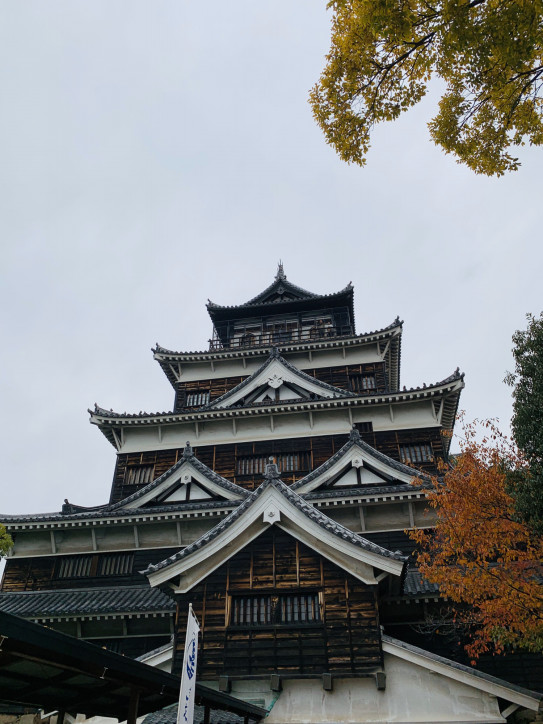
{"points": [[480, 49]]}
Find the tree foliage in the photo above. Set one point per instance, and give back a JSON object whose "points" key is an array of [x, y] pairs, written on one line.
{"points": [[480, 553], [527, 422], [383, 54], [5, 541]]}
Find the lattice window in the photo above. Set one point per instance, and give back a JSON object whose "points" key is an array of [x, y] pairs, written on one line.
{"points": [[286, 462], [116, 564], [362, 383], [75, 567], [299, 608], [197, 399], [139, 474], [261, 610], [252, 464], [416, 453], [248, 610]]}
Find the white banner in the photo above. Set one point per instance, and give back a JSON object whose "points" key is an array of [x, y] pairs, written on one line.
{"points": [[185, 712]]}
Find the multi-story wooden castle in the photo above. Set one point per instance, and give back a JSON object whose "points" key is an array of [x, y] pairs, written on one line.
{"points": [[275, 497]]}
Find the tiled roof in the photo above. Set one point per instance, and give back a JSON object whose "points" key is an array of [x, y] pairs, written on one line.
{"points": [[272, 479], [280, 285], [460, 667], [158, 650], [108, 511], [355, 439], [416, 585], [188, 456], [360, 491], [169, 716], [398, 395], [90, 601], [274, 355]]}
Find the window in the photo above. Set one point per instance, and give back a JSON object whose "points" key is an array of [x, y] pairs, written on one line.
{"points": [[248, 340], [286, 462], [75, 567], [362, 383], [416, 453], [261, 610], [139, 474], [117, 564], [197, 399], [114, 564], [252, 464]]}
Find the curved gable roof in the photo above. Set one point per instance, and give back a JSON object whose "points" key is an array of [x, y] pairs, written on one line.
{"points": [[288, 373], [276, 500], [283, 297], [354, 447], [279, 291], [231, 491]]}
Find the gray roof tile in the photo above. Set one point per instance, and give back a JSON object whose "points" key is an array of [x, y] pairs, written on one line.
{"points": [[416, 585], [304, 377], [271, 478], [355, 439], [188, 456], [90, 601], [169, 716]]}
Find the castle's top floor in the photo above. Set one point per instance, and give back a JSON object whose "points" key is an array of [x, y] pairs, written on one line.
{"points": [[281, 314]]}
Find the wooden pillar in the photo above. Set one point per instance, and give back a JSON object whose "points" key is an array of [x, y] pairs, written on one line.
{"points": [[133, 706], [206, 714]]}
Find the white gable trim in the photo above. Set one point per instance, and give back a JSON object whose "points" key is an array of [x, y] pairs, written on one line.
{"points": [[354, 456], [184, 474], [273, 375], [197, 565], [161, 658], [465, 675]]}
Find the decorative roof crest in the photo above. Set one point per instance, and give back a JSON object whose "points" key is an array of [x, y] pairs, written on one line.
{"points": [[280, 271], [187, 452], [272, 471], [354, 435]]}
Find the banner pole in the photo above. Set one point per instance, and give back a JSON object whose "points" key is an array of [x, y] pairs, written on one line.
{"points": [[185, 711]]}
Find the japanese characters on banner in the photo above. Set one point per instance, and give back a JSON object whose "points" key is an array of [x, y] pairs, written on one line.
{"points": [[185, 712]]}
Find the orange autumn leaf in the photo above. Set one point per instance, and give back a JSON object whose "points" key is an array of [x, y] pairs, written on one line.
{"points": [[479, 553]]}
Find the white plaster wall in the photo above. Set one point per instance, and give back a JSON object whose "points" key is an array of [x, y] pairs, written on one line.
{"points": [[357, 354], [413, 695], [249, 428]]}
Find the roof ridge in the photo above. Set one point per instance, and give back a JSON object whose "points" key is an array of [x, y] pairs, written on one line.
{"points": [[255, 301], [355, 439], [274, 354], [187, 456], [272, 479]]}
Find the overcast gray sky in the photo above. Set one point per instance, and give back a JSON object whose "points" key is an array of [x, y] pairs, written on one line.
{"points": [[157, 154]]}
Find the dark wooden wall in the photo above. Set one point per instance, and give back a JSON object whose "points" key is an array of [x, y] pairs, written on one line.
{"points": [[346, 640], [337, 376], [223, 458]]}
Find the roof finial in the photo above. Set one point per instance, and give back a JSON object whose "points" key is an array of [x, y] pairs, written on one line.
{"points": [[354, 435], [280, 272], [187, 452], [272, 471]]}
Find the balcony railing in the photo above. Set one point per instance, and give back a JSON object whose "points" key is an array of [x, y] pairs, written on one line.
{"points": [[279, 338]]}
